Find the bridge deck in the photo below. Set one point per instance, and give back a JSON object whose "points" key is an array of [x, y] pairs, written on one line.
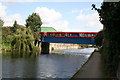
{"points": [[74, 40]]}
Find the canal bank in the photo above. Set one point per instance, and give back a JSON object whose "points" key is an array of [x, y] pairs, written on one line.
{"points": [[91, 69], [60, 46]]}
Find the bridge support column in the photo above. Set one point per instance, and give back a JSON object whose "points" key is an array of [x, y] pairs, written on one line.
{"points": [[45, 47]]}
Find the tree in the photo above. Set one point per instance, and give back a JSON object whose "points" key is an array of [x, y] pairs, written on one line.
{"points": [[34, 22], [23, 41], [1, 22], [15, 25], [99, 39], [110, 18]]}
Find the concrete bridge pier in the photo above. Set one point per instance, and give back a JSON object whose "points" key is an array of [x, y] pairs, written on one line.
{"points": [[45, 48]]}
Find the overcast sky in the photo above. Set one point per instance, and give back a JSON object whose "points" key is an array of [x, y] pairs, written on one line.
{"points": [[63, 16]]}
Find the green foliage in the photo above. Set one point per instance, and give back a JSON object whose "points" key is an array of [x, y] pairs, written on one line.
{"points": [[20, 41], [110, 18], [15, 24], [36, 35], [1, 22], [7, 37], [23, 40], [34, 22], [99, 39]]}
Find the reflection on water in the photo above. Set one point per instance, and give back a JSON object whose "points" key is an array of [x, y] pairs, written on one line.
{"points": [[45, 65]]}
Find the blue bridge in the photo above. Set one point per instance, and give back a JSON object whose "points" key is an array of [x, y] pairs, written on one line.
{"points": [[74, 40], [68, 37], [65, 37]]}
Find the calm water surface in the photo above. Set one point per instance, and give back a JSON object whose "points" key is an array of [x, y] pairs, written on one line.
{"points": [[62, 64]]}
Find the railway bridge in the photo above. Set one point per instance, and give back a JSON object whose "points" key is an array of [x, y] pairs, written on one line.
{"points": [[65, 37]]}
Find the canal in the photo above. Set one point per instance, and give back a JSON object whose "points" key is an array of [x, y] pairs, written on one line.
{"points": [[59, 64]]}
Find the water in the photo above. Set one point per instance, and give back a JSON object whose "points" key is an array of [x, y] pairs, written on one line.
{"points": [[63, 64]]}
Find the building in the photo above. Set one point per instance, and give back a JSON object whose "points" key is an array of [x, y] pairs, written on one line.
{"points": [[47, 29]]}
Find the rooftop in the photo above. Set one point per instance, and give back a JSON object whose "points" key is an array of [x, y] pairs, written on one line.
{"points": [[47, 29]]}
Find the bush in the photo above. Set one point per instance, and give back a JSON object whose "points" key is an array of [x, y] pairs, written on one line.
{"points": [[110, 18]]}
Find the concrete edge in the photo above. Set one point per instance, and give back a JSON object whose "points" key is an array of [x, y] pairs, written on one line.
{"points": [[82, 66]]}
